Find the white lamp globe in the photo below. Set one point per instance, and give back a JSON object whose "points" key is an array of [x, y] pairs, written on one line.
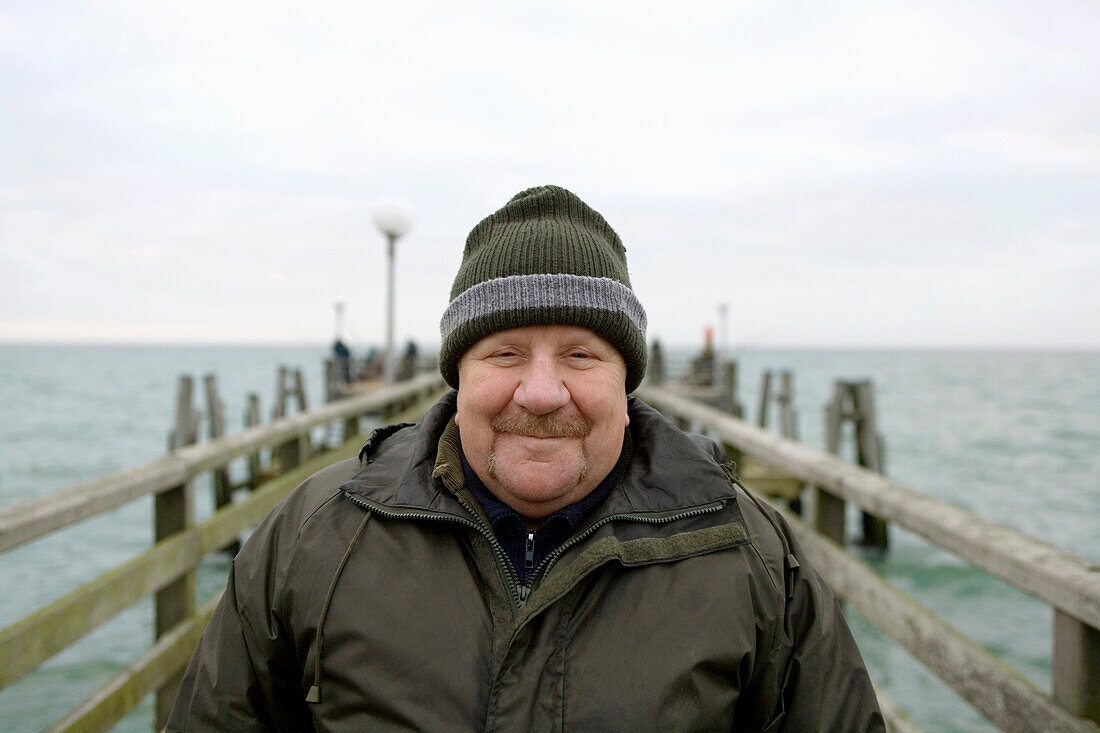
{"points": [[393, 216]]}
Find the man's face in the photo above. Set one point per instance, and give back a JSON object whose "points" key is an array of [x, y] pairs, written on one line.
{"points": [[541, 413]]}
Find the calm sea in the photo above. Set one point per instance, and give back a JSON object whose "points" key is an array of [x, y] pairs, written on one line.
{"points": [[1013, 436]]}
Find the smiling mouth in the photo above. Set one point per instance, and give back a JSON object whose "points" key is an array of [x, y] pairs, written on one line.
{"points": [[542, 437]]}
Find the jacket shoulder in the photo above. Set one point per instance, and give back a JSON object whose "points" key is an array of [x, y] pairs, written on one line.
{"points": [[317, 490]]}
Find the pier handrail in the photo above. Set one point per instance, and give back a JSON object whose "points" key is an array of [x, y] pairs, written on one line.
{"points": [[1070, 584], [1060, 578], [166, 570], [32, 518]]}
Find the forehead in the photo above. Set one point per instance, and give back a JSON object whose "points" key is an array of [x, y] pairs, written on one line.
{"points": [[554, 336]]}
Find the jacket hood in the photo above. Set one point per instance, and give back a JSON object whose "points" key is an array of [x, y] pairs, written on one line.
{"points": [[668, 471]]}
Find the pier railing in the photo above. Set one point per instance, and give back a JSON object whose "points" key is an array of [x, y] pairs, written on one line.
{"points": [[167, 569], [1069, 584]]}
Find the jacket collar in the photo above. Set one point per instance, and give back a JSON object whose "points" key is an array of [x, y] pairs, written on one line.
{"points": [[419, 466]]}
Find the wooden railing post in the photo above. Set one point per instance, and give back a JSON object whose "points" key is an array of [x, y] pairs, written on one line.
{"points": [[1075, 666], [729, 383], [330, 380], [305, 444], [223, 488], [765, 398], [172, 513], [252, 418], [788, 422], [655, 370], [289, 454], [869, 453], [733, 406], [351, 426], [828, 510]]}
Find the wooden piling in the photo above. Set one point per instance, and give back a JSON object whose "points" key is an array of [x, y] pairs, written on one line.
{"points": [[1075, 666], [854, 401], [290, 385], [252, 418], [869, 453], [733, 406], [305, 443], [788, 422], [172, 513], [223, 488], [765, 399], [729, 383], [828, 508], [655, 371]]}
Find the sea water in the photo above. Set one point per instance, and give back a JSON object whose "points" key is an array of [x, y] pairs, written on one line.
{"points": [[1013, 436]]}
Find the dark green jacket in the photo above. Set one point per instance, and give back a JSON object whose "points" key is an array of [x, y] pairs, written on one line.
{"points": [[683, 605]]}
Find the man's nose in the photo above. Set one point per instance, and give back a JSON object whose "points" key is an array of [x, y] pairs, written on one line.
{"points": [[541, 389]]}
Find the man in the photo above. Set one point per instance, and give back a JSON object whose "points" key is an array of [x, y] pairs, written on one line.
{"points": [[539, 552]]}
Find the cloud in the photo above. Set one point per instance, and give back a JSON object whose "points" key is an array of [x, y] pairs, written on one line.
{"points": [[159, 161]]}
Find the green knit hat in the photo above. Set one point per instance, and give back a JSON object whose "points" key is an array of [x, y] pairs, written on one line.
{"points": [[546, 258]]}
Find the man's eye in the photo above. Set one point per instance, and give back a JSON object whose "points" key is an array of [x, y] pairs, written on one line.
{"points": [[581, 355]]}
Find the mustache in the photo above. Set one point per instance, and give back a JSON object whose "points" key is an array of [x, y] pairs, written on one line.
{"points": [[555, 424]]}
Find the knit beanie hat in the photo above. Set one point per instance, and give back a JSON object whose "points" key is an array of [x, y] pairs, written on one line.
{"points": [[546, 258]]}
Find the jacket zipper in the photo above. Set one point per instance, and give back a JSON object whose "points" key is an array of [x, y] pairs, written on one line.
{"points": [[514, 588], [552, 558]]}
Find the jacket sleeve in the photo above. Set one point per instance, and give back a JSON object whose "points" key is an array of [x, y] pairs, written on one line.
{"points": [[815, 665], [239, 680], [824, 685]]}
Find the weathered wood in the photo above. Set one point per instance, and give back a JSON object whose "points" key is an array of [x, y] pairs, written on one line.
{"points": [[829, 515], [300, 391], [24, 521], [765, 399], [997, 691], [252, 419], [1057, 577], [35, 638], [1075, 666], [788, 423], [765, 480], [173, 513], [330, 380], [110, 703], [278, 410], [729, 383], [222, 486], [288, 453], [655, 371], [869, 453], [828, 509]]}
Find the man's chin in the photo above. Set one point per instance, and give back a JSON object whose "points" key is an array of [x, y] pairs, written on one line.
{"points": [[536, 486]]}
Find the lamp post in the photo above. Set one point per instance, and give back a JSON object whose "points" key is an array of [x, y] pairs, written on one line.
{"points": [[393, 218]]}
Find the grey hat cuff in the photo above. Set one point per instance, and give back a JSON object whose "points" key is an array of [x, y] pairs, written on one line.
{"points": [[533, 292]]}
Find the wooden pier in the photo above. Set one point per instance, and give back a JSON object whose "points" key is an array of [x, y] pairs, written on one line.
{"points": [[167, 569], [811, 487]]}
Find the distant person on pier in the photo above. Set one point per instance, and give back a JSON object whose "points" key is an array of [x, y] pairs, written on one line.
{"points": [[541, 551], [342, 359]]}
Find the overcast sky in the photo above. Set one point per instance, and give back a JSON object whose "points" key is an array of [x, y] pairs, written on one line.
{"points": [[841, 173]]}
